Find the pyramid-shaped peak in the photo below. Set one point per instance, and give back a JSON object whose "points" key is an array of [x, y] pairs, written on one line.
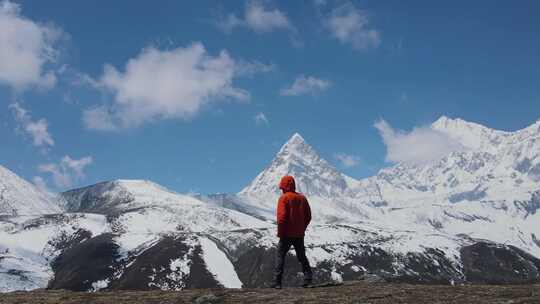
{"points": [[296, 138], [296, 144], [313, 174]]}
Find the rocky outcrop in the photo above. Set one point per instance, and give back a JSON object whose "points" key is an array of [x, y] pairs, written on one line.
{"points": [[80, 266], [490, 263]]}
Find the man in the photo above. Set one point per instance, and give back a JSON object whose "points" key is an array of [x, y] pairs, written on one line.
{"points": [[293, 217]]}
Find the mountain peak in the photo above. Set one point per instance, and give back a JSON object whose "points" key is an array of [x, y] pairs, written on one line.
{"points": [[313, 174], [19, 197], [445, 122], [442, 120], [296, 137], [120, 195], [296, 142], [471, 135]]}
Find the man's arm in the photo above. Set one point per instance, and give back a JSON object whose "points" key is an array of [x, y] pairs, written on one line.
{"points": [[281, 216], [308, 213]]}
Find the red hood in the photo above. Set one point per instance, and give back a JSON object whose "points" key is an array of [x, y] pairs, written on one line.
{"points": [[287, 184]]}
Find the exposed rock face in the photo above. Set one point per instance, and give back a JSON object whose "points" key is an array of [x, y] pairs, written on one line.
{"points": [[176, 262], [152, 269], [78, 267], [499, 264]]}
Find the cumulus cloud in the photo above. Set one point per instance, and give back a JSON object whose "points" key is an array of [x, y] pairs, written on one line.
{"points": [[165, 84], [257, 18], [36, 129], [305, 85], [68, 172], [260, 119], [349, 25], [26, 47], [261, 19], [420, 146], [347, 160], [99, 118]]}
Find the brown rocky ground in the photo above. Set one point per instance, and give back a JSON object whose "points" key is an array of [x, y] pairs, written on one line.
{"points": [[350, 292]]}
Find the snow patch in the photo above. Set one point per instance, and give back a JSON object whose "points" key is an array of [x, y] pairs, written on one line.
{"points": [[219, 265], [99, 285]]}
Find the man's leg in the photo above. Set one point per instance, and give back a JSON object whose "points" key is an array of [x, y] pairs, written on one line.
{"points": [[301, 254], [283, 247]]}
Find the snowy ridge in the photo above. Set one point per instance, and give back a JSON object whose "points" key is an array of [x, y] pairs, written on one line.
{"points": [[122, 195], [19, 197]]}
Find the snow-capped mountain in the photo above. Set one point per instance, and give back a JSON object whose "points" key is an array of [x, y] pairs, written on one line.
{"points": [[471, 216], [497, 170], [121, 234], [145, 207], [327, 188], [489, 190], [122, 195], [19, 197], [313, 175]]}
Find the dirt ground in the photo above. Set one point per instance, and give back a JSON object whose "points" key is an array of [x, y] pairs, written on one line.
{"points": [[350, 292]]}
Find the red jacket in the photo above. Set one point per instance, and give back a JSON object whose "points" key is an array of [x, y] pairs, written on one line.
{"points": [[293, 212]]}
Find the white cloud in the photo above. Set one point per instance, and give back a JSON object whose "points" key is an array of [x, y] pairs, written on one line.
{"points": [[165, 84], [347, 160], [420, 146], [305, 85], [36, 129], [261, 19], [26, 48], [349, 24], [99, 118], [258, 18], [68, 172], [260, 119]]}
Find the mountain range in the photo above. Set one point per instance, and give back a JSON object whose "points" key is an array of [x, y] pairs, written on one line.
{"points": [[470, 216]]}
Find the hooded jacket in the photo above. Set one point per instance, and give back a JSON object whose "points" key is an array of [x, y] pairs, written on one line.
{"points": [[293, 211]]}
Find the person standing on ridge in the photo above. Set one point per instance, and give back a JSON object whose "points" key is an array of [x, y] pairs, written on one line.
{"points": [[293, 217]]}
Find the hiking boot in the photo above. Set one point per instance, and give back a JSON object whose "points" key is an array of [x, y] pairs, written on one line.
{"points": [[275, 285]]}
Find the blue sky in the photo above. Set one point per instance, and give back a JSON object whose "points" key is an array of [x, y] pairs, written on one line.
{"points": [[185, 113]]}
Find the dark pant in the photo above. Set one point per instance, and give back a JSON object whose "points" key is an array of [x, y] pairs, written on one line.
{"points": [[283, 247]]}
